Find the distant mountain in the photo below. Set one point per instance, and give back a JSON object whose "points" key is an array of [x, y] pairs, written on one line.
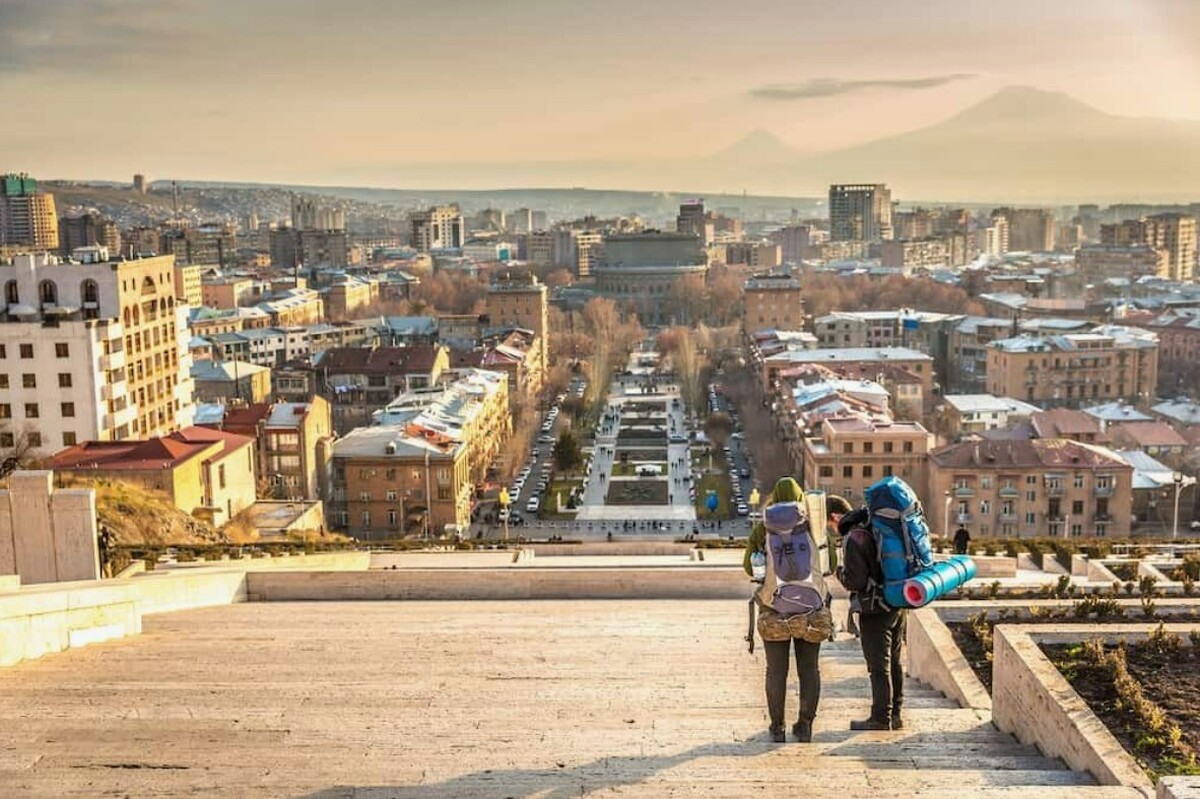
{"points": [[759, 146], [1024, 144]]}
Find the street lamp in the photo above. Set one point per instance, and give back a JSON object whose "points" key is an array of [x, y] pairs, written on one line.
{"points": [[1181, 481], [946, 514], [504, 502]]}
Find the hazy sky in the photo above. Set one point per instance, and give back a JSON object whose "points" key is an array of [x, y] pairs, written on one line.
{"points": [[300, 90]]}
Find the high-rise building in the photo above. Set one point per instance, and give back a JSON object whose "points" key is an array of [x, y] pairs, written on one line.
{"points": [[91, 350], [576, 250], [88, 230], [1029, 229], [291, 248], [27, 216], [793, 241], [437, 228], [860, 212], [308, 215], [1173, 233], [139, 183], [693, 221], [213, 243]]}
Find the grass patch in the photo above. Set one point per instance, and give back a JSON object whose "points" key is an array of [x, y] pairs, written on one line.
{"points": [[637, 492], [630, 469]]}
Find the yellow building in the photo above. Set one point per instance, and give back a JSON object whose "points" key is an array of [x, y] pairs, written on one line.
{"points": [[1029, 488], [28, 217], [227, 292], [188, 286], [773, 302], [1108, 363], [849, 454], [207, 473]]}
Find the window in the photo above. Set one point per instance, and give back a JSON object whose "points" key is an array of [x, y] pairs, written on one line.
{"points": [[69, 439], [1031, 479], [68, 410], [887, 446], [443, 492], [34, 439], [3, 350], [391, 496], [985, 483], [848, 472], [1079, 481], [5, 410], [3, 381], [985, 508], [31, 410], [62, 350], [848, 448], [1077, 507], [1030, 517], [366, 519], [221, 475], [887, 471], [29, 380], [48, 292], [868, 447], [908, 446], [64, 379], [827, 471], [26, 350], [391, 474], [391, 518], [364, 496], [868, 472], [12, 295], [1031, 496], [1076, 530], [6, 440]]}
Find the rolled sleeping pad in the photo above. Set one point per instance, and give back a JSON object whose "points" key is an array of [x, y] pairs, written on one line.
{"points": [[945, 576]]}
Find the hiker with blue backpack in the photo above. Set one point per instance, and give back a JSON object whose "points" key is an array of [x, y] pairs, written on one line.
{"points": [[790, 555], [888, 566]]}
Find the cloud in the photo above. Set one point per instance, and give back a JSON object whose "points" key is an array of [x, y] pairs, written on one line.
{"points": [[831, 87]]}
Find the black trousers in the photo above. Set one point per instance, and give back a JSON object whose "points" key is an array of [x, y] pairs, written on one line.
{"points": [[882, 639], [779, 655]]}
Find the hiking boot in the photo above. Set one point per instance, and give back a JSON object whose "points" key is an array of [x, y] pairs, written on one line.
{"points": [[803, 731], [778, 735], [897, 719], [870, 724]]}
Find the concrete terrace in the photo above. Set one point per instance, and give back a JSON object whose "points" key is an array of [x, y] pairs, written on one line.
{"points": [[423, 700]]}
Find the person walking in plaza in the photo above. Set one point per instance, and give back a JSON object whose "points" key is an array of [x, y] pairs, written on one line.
{"points": [[782, 553], [962, 540], [882, 628]]}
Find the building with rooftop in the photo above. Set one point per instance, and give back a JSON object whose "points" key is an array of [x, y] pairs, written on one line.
{"points": [[846, 455], [967, 352], [519, 300], [388, 483], [28, 217], [1035, 488], [638, 271], [293, 440], [1109, 363], [860, 212], [231, 381], [438, 228], [95, 350], [864, 358], [772, 302], [359, 381], [207, 473], [474, 409], [976, 413]]}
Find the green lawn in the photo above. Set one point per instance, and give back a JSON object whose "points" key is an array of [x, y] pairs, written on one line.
{"points": [[629, 469], [718, 480], [565, 486]]}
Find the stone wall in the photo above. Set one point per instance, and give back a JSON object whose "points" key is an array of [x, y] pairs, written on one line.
{"points": [[46, 534]]}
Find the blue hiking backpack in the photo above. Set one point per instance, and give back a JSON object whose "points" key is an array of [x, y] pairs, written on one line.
{"points": [[901, 535], [795, 581]]}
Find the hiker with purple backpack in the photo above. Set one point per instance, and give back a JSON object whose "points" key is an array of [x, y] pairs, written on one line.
{"points": [[790, 557]]}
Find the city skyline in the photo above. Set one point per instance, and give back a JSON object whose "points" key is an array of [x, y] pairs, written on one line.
{"points": [[263, 95]]}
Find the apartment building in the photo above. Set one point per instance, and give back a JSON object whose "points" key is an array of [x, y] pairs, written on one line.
{"points": [[521, 300], [229, 292], [1109, 363], [793, 241], [293, 440], [846, 455], [1032, 488], [294, 307], [909, 255], [350, 296], [1172, 233], [978, 413], [108, 342], [224, 381], [860, 212], [772, 301], [967, 355], [1099, 262], [359, 381], [753, 254], [207, 473], [474, 410], [389, 484], [1029, 229], [576, 250], [437, 228], [189, 289], [858, 359], [88, 230], [27, 216]]}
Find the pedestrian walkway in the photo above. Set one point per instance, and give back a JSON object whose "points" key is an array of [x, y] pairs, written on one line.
{"points": [[416, 700]]}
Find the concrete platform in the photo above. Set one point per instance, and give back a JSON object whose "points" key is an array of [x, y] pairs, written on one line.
{"points": [[432, 700]]}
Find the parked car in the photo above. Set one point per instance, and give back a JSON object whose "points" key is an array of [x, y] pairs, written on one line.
{"points": [[532, 505], [743, 509]]}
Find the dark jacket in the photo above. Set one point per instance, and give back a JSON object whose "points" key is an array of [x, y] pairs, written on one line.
{"points": [[860, 572]]}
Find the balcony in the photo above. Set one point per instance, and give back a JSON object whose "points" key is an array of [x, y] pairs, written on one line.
{"points": [[114, 390], [963, 518], [1102, 517], [114, 360], [1009, 518], [1010, 491], [120, 418], [1055, 489], [1103, 490], [964, 491]]}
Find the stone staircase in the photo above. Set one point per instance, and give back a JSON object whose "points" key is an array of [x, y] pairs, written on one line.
{"points": [[439, 700]]}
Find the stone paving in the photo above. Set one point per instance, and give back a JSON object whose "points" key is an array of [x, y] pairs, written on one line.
{"points": [[510, 699]]}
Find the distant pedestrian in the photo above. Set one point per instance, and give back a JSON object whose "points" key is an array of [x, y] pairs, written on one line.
{"points": [[962, 540]]}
